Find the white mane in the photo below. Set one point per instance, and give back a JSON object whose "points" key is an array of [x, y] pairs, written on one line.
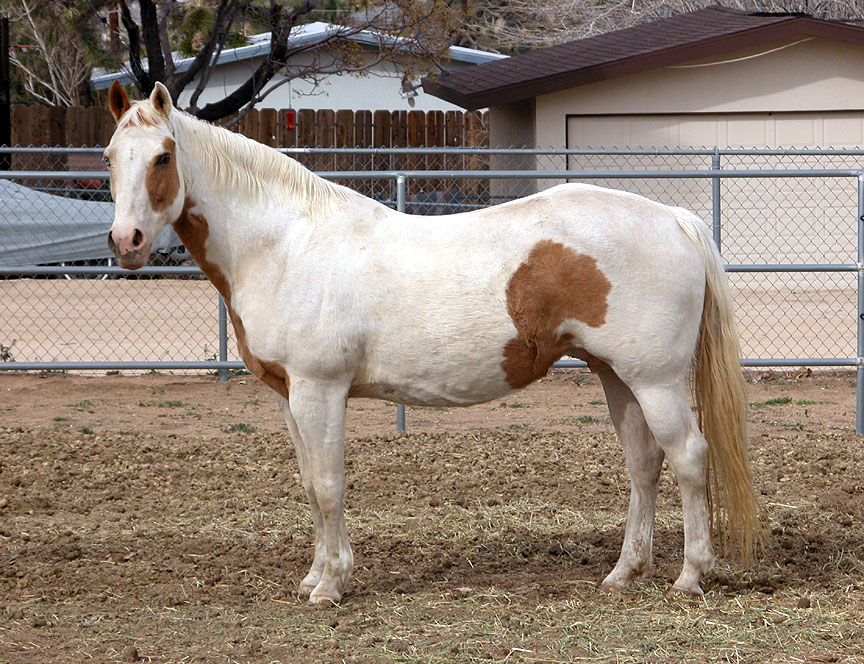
{"points": [[244, 166]]}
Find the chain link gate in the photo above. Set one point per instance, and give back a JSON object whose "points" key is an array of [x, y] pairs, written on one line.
{"points": [[788, 222]]}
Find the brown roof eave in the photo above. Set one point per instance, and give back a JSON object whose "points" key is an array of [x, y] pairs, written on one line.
{"points": [[432, 87], [648, 61]]}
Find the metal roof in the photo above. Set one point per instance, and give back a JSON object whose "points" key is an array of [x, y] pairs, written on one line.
{"points": [[301, 35]]}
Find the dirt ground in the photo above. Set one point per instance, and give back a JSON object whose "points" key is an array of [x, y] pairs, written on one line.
{"points": [[160, 519]]}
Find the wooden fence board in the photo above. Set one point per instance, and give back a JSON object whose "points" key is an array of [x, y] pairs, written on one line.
{"points": [[344, 138], [248, 125], [267, 126], [434, 139], [306, 135], [454, 130], [362, 129], [416, 139], [325, 121], [381, 129], [381, 138]]}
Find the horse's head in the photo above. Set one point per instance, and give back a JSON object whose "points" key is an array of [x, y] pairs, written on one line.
{"points": [[146, 179]]}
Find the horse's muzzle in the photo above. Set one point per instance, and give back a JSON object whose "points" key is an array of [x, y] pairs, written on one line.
{"points": [[132, 253]]}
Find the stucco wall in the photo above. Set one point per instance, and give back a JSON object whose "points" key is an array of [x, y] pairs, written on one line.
{"points": [[512, 125], [380, 89], [815, 75]]}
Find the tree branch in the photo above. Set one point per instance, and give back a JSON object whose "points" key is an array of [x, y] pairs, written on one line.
{"points": [[142, 77], [152, 42], [280, 29], [164, 14], [225, 14]]}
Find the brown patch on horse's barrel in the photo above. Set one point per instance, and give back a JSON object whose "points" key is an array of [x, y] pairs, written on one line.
{"points": [[162, 180], [193, 230], [552, 285]]}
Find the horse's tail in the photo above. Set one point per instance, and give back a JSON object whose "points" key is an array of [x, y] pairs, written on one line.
{"points": [[721, 402]]}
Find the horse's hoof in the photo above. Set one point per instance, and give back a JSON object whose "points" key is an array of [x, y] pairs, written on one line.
{"points": [[327, 594], [325, 599], [305, 589], [693, 592], [613, 587]]}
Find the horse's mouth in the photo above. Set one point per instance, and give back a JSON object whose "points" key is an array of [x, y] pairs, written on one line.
{"points": [[130, 260], [133, 263]]}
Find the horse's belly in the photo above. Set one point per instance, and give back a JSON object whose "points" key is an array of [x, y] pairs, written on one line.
{"points": [[422, 384]]}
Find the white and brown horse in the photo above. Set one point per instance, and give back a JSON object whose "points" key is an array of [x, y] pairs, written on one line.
{"points": [[333, 295]]}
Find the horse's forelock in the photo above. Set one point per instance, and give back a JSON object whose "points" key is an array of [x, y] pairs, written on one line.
{"points": [[141, 114]]}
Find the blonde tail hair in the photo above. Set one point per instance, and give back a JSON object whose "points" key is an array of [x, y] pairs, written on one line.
{"points": [[721, 404]]}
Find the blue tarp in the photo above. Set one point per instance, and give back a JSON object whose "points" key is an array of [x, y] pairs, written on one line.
{"points": [[38, 228]]}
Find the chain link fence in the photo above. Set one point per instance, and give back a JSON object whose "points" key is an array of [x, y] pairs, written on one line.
{"points": [[787, 222]]}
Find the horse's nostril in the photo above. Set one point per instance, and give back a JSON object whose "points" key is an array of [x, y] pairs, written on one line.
{"points": [[137, 239]]}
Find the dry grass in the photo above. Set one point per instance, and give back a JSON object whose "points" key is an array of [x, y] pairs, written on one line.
{"points": [[481, 545]]}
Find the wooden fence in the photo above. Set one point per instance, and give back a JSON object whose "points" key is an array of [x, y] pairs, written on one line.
{"points": [[92, 126], [79, 126]]}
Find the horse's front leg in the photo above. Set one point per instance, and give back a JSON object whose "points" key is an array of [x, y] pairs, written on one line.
{"points": [[318, 409], [307, 585]]}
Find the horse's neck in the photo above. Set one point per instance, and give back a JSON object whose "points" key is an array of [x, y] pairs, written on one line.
{"points": [[220, 192]]}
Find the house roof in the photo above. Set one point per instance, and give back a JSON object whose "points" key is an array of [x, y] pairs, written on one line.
{"points": [[301, 35], [669, 41]]}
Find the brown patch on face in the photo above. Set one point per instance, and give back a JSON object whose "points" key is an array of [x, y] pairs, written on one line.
{"points": [[193, 230], [554, 284], [162, 180]]}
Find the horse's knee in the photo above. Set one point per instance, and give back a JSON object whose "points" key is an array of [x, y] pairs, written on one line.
{"points": [[329, 493]]}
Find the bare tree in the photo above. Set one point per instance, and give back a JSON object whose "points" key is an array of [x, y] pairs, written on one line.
{"points": [[517, 25], [409, 32], [51, 65]]}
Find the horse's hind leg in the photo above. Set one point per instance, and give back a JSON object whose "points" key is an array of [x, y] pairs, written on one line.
{"points": [[644, 460], [307, 585], [667, 411]]}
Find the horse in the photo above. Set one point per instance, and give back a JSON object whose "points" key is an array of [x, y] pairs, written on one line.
{"points": [[333, 295]]}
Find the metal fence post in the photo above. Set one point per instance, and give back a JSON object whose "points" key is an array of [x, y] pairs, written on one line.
{"points": [[715, 198], [859, 378], [223, 338], [400, 206]]}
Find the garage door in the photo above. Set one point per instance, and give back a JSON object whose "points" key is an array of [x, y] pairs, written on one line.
{"points": [[749, 130], [765, 221]]}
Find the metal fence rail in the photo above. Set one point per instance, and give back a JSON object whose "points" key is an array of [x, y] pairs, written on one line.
{"points": [[789, 222]]}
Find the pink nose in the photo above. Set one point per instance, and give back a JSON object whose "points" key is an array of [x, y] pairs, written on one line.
{"points": [[126, 243]]}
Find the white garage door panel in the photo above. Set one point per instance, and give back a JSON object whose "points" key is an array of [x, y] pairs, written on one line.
{"points": [[746, 131], [699, 131], [845, 132]]}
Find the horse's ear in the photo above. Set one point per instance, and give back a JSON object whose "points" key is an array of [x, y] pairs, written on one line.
{"points": [[118, 101], [161, 99]]}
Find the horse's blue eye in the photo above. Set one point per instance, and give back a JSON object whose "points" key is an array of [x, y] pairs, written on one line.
{"points": [[163, 159], [107, 161]]}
